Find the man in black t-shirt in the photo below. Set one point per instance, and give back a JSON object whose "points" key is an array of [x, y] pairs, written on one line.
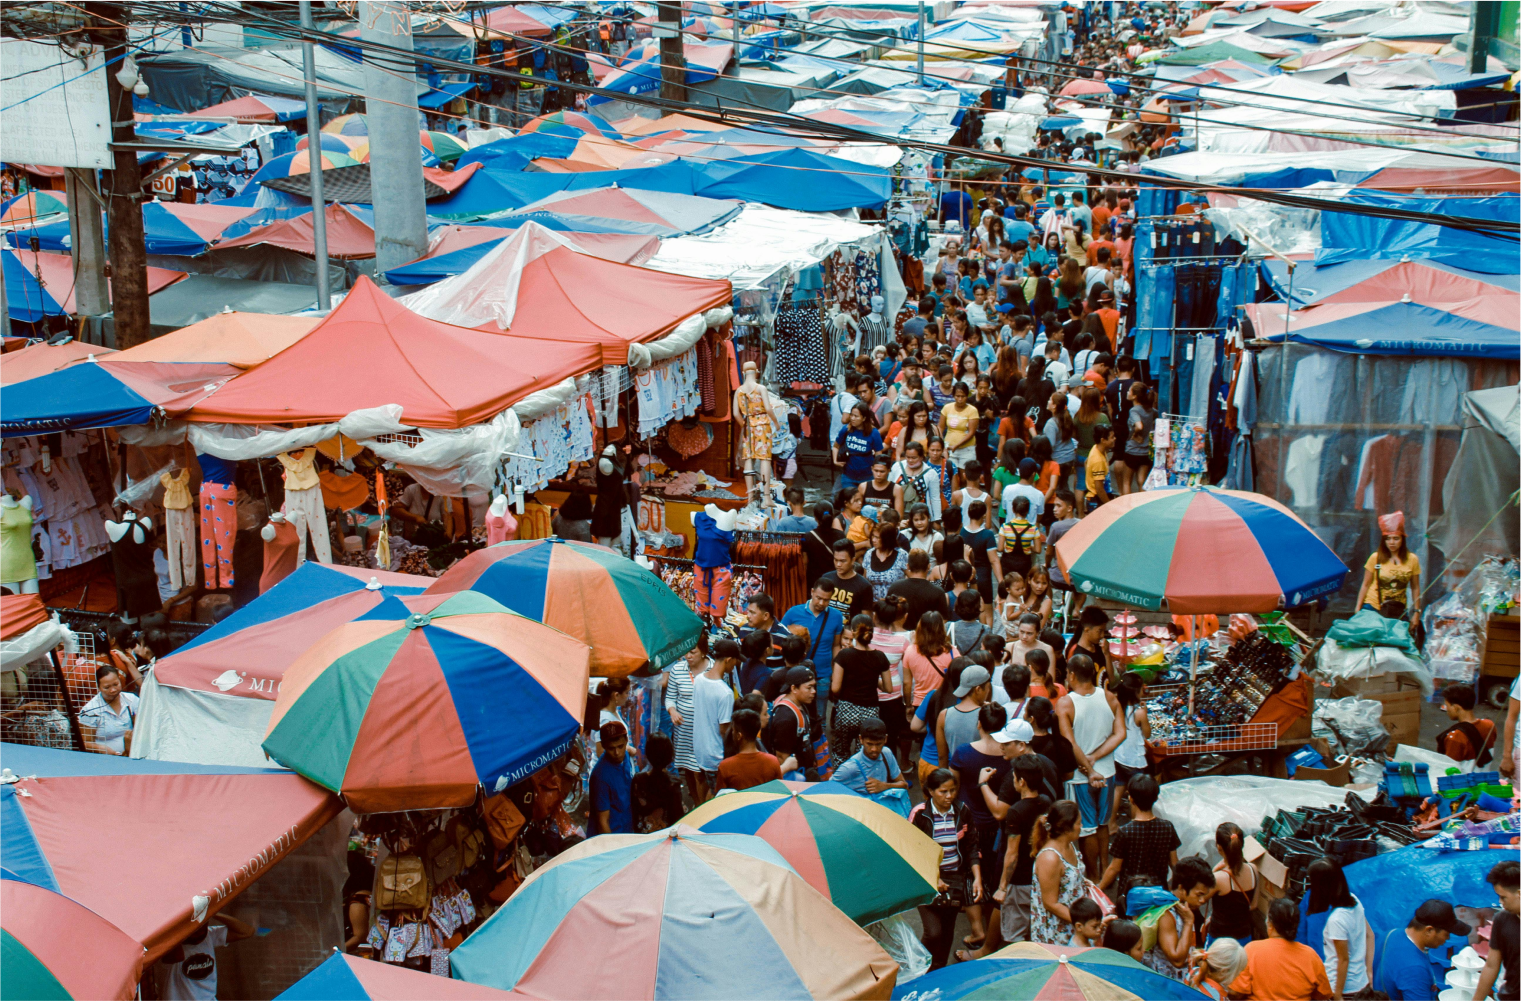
{"points": [[851, 592], [1147, 846], [1505, 877], [916, 589], [1117, 393]]}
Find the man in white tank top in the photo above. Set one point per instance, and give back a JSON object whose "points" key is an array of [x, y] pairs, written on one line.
{"points": [[1092, 720]]}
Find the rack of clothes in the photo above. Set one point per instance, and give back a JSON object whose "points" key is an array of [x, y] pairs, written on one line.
{"points": [[676, 571], [781, 554]]}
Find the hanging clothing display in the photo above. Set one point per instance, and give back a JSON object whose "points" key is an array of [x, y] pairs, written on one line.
{"points": [[555, 440], [219, 525], [279, 553], [868, 279], [304, 507], [802, 354], [132, 560], [667, 391], [17, 562], [179, 528]]}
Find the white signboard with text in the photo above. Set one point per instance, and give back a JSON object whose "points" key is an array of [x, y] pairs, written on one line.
{"points": [[54, 105]]}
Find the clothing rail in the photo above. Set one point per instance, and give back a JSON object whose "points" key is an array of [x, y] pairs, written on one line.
{"points": [[1157, 261], [750, 535], [685, 561]]}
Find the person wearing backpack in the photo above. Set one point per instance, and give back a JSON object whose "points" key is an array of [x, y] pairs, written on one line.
{"points": [[1469, 738], [1177, 926]]}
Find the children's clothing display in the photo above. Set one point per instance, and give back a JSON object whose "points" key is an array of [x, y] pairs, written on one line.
{"points": [[667, 391], [179, 528]]}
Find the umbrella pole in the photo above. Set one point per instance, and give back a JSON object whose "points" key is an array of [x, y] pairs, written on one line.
{"points": [[1193, 667]]}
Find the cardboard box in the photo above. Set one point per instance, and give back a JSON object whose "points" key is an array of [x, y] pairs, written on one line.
{"points": [[1335, 775], [1274, 873], [1369, 687], [1401, 716]]}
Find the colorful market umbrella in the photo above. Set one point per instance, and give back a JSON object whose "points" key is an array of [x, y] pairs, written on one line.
{"points": [[1079, 87], [864, 857], [571, 123], [1199, 550], [622, 611], [300, 162], [446, 147], [674, 914], [418, 702], [1034, 972], [42, 939], [31, 206], [367, 980], [348, 125], [333, 142], [106, 392]]}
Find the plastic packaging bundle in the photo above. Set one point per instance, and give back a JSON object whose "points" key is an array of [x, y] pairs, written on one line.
{"points": [[1455, 623], [899, 940], [1352, 726], [1197, 806]]}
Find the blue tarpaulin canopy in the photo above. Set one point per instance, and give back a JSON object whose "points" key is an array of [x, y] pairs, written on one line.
{"points": [[443, 95], [1347, 237], [105, 394], [1404, 328], [1391, 886], [798, 179], [519, 150]]}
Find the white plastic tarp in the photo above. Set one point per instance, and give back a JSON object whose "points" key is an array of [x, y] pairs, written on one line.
{"points": [[757, 244], [202, 728], [19, 651], [488, 291], [1197, 806]]}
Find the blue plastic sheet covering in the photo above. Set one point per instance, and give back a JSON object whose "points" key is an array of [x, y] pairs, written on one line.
{"points": [[163, 233], [798, 179], [1393, 885], [1348, 237], [516, 151], [443, 95]]}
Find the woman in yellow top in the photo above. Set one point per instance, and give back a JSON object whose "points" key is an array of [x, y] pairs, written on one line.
{"points": [[958, 426], [1393, 573]]}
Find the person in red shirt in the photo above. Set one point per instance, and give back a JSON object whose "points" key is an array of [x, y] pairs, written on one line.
{"points": [[749, 766], [1108, 314]]}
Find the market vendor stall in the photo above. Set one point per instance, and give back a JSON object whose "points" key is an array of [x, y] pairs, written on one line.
{"points": [[1203, 551]]}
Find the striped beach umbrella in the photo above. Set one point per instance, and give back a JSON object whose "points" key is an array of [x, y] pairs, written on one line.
{"points": [[1199, 550], [622, 611], [572, 123], [419, 701], [674, 914], [51, 947], [344, 976], [1033, 972], [864, 857], [300, 162], [333, 142]]}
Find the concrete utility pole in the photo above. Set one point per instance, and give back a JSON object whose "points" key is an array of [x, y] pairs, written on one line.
{"points": [[87, 243], [673, 58], [314, 158], [919, 60], [123, 188], [401, 220], [1485, 21]]}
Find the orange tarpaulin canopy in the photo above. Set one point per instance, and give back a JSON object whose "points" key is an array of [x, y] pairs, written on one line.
{"points": [[240, 339], [347, 235], [40, 359], [19, 613], [371, 351], [579, 298]]}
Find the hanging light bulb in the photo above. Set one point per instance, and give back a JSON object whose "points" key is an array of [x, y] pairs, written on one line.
{"points": [[141, 89]]}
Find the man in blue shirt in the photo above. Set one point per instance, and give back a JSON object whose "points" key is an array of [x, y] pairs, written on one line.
{"points": [[1404, 968], [612, 784], [956, 204], [798, 520], [1008, 272], [1017, 230], [824, 623]]}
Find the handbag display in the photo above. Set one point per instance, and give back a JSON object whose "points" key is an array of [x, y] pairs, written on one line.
{"points": [[443, 856], [503, 819], [403, 885]]}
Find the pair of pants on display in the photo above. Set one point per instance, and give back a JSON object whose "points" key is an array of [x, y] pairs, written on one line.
{"points": [[179, 533], [219, 525], [304, 510]]}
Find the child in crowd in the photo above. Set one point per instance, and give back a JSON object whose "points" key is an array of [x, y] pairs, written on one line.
{"points": [[1087, 922]]}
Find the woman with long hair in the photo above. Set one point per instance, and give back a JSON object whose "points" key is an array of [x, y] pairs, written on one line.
{"points": [[859, 674], [1044, 301], [1059, 877], [1346, 939], [1134, 458], [1011, 450], [919, 428], [1089, 417], [1038, 599], [1076, 242], [968, 369], [1030, 283], [1236, 887], [891, 639], [1093, 324], [1006, 373], [1061, 431], [927, 655], [1035, 387], [1053, 249], [1069, 284], [1130, 756]]}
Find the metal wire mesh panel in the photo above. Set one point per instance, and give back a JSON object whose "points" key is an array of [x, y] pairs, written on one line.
{"points": [[34, 708]]}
